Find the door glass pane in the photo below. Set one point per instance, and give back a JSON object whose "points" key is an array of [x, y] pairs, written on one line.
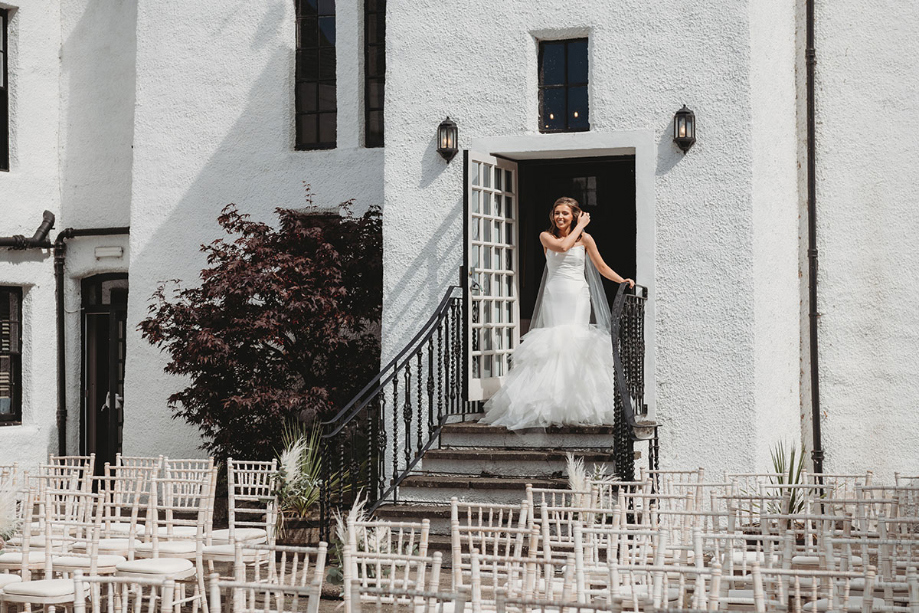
{"points": [[499, 253], [498, 200], [498, 176], [486, 366], [487, 343], [474, 198], [486, 285], [474, 256], [487, 307], [486, 206], [487, 234], [475, 167], [509, 233], [508, 182], [509, 207], [476, 224], [510, 312], [486, 175]]}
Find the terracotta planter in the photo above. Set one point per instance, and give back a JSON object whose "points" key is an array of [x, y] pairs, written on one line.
{"points": [[300, 532]]}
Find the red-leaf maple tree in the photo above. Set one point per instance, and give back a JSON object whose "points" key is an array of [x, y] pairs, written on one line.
{"points": [[283, 326]]}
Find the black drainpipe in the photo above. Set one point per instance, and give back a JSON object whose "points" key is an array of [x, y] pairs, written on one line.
{"points": [[811, 59], [38, 241], [60, 255]]}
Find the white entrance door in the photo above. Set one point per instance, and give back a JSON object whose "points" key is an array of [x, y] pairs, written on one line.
{"points": [[491, 252]]}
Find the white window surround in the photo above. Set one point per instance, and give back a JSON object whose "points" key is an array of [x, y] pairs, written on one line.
{"points": [[641, 144]]}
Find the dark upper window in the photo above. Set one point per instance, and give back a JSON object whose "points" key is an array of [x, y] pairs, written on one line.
{"points": [[315, 97], [10, 354], [4, 93], [563, 74], [374, 70]]}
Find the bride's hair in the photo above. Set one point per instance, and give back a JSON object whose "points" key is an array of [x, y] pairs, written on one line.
{"points": [[572, 204]]}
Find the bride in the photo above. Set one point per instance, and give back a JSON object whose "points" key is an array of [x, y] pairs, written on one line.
{"points": [[563, 368]]}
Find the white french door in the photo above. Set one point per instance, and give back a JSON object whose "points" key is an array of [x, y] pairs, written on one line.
{"points": [[493, 316]]}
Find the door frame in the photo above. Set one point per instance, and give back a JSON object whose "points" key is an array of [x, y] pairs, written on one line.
{"points": [[643, 145]]}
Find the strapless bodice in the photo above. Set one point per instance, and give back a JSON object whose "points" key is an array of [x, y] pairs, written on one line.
{"points": [[568, 264]]}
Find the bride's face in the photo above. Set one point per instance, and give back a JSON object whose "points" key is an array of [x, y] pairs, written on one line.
{"points": [[562, 216]]}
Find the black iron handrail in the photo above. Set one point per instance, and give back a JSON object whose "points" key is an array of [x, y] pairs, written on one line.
{"points": [[394, 413], [361, 399], [628, 309]]}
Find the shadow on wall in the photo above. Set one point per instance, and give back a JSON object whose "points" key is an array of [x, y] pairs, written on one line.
{"points": [[99, 59]]}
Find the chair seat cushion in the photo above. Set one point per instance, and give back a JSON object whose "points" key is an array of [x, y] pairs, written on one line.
{"points": [[222, 537], [183, 531], [117, 544], [156, 566], [78, 562], [6, 579], [44, 587], [123, 528], [15, 557], [230, 550], [168, 547]]}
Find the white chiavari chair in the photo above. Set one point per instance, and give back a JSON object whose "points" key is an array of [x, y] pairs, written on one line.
{"points": [[597, 546], [177, 511], [189, 469], [640, 587], [110, 594], [252, 512], [520, 577], [17, 559], [287, 572], [556, 525], [492, 529], [388, 571], [812, 590]]}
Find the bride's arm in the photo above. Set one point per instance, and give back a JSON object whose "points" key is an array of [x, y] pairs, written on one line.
{"points": [[591, 246], [549, 241]]}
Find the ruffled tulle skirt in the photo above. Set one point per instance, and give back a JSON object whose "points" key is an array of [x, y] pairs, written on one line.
{"points": [[561, 375]]}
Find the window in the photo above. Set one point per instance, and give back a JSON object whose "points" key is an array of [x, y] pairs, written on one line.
{"points": [[10, 354], [374, 70], [4, 93], [563, 86], [315, 81]]}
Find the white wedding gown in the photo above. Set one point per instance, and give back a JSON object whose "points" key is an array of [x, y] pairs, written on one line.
{"points": [[563, 372]]}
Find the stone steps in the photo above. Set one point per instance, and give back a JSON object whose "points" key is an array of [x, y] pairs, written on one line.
{"points": [[482, 463]]}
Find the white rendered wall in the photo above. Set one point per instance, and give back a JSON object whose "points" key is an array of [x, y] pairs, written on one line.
{"points": [[776, 206], [213, 125], [646, 60], [32, 186], [868, 214]]}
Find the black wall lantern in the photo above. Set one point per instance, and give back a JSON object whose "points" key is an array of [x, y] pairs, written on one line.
{"points": [[446, 139], [684, 129]]}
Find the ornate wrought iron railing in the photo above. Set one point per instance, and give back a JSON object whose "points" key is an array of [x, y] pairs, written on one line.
{"points": [[628, 336], [373, 443]]}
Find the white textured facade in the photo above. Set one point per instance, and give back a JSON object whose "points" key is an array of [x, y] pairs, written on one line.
{"points": [[155, 115]]}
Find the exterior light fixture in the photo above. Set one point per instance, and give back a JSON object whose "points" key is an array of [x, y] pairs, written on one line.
{"points": [[684, 129], [446, 139]]}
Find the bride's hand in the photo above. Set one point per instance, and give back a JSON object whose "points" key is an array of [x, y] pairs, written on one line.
{"points": [[583, 220], [630, 282]]}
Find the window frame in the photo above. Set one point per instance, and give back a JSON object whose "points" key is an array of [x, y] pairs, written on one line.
{"points": [[564, 86], [321, 52], [370, 141], [4, 90], [14, 296]]}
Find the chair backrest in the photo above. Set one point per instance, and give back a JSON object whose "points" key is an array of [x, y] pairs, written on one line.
{"points": [[151, 462], [113, 594], [283, 565], [291, 573], [389, 571], [640, 587], [188, 469], [519, 576], [661, 479], [125, 498], [9, 474], [252, 496], [503, 604], [556, 525], [83, 466], [403, 538], [608, 493], [595, 546], [813, 590], [73, 522], [22, 503], [555, 497], [178, 508]]}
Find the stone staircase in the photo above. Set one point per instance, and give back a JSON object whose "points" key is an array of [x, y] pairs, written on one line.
{"points": [[481, 463]]}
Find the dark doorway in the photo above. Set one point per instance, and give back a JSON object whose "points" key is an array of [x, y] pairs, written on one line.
{"points": [[105, 309], [605, 187]]}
